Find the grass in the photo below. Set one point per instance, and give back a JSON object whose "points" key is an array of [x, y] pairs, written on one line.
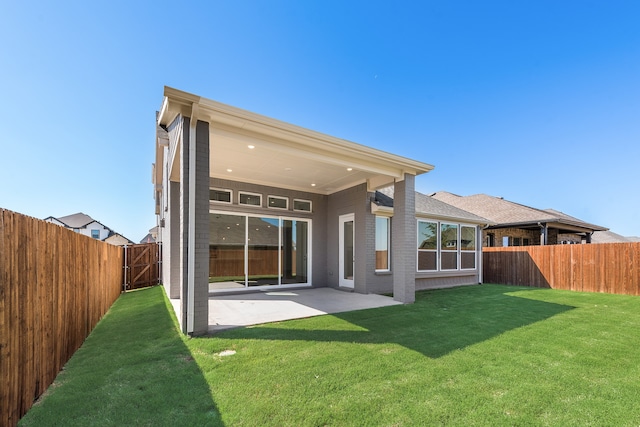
{"points": [[483, 355]]}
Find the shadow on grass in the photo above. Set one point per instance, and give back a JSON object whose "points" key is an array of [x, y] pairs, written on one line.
{"points": [[134, 369], [439, 322]]}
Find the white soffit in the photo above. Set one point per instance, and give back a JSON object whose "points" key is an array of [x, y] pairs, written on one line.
{"points": [[247, 147]]}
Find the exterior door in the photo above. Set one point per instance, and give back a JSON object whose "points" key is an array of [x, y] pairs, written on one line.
{"points": [[346, 250]]}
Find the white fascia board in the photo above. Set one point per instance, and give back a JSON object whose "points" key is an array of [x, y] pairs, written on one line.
{"points": [[424, 215], [216, 112]]}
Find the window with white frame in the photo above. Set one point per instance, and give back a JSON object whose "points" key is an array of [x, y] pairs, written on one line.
{"points": [[219, 195], [382, 243], [445, 246], [250, 199], [427, 246], [278, 202], [95, 234], [467, 247], [448, 246], [302, 205]]}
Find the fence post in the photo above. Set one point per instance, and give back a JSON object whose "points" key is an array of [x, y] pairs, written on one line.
{"points": [[125, 269]]}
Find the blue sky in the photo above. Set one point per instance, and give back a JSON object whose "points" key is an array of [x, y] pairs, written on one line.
{"points": [[534, 101]]}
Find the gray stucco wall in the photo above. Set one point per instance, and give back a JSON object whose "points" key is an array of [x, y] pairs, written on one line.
{"points": [[354, 200]]}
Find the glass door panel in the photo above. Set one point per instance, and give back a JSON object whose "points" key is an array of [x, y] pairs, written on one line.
{"points": [[263, 242], [295, 238], [346, 250], [226, 251]]}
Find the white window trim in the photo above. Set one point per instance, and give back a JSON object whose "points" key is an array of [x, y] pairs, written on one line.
{"points": [[221, 201], [280, 219], [439, 250], [475, 250], [449, 251], [436, 250], [302, 210], [246, 193], [286, 199], [384, 270]]}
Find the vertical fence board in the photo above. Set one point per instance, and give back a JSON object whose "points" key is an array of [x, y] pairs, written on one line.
{"points": [[55, 285], [608, 268]]}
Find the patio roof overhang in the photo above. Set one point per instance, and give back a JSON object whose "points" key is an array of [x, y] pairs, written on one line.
{"points": [[249, 147], [563, 226]]}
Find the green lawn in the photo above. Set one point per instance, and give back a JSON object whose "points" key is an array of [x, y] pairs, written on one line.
{"points": [[482, 355]]}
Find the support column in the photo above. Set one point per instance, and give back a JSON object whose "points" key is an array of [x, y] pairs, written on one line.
{"points": [[403, 246], [194, 227], [172, 246]]}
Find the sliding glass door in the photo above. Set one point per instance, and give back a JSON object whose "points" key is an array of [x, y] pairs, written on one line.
{"points": [[248, 250]]}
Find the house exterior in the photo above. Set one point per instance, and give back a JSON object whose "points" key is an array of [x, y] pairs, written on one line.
{"points": [[611, 237], [245, 202], [118, 239], [515, 224], [84, 224], [151, 237]]}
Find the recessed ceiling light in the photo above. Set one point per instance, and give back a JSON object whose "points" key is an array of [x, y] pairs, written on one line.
{"points": [[251, 147], [229, 170], [349, 169], [313, 185]]}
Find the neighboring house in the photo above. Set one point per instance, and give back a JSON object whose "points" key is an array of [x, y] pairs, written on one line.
{"points": [[245, 202], [84, 224], [151, 237], [118, 239], [610, 237], [520, 225]]}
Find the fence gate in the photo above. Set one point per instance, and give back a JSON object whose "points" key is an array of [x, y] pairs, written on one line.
{"points": [[141, 265]]}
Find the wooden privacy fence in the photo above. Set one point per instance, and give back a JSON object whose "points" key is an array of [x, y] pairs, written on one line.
{"points": [[142, 266], [55, 285], [611, 268]]}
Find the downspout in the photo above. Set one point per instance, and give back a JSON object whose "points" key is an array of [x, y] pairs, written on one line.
{"points": [[191, 246], [481, 240], [543, 233]]}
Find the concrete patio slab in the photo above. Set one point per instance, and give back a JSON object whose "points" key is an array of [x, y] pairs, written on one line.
{"points": [[232, 311]]}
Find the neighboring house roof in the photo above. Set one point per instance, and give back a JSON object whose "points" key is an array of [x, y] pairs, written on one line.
{"points": [[117, 239], [505, 213], [77, 220], [151, 237], [81, 220], [608, 237], [430, 207], [148, 239]]}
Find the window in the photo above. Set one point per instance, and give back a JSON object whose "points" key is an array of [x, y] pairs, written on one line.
{"points": [[220, 196], [252, 250], [505, 241], [446, 246], [301, 205], [382, 243], [95, 234], [250, 199], [427, 246], [449, 246], [276, 202], [467, 247], [525, 241], [491, 240], [516, 241]]}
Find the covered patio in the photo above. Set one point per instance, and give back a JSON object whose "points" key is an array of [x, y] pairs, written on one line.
{"points": [[247, 309], [250, 203]]}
